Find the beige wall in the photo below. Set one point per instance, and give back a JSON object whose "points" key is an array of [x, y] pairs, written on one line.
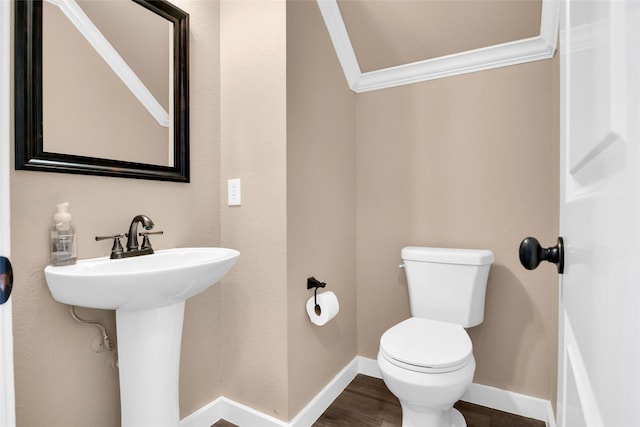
{"points": [[333, 184], [472, 162], [254, 143], [321, 203], [297, 217], [59, 379]]}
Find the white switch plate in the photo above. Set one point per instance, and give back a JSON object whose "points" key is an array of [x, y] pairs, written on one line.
{"points": [[234, 192]]}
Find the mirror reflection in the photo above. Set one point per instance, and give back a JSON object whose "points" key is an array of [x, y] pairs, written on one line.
{"points": [[102, 88], [102, 99]]}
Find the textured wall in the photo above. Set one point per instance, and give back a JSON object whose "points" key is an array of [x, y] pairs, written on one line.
{"points": [[468, 161], [472, 162], [254, 142], [59, 379], [321, 203]]}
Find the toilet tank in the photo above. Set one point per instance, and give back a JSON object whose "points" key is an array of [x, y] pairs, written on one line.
{"points": [[447, 284]]}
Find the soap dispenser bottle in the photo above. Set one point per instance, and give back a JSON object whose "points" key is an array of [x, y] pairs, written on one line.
{"points": [[63, 237]]}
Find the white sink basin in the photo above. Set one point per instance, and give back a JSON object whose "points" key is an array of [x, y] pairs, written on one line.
{"points": [[148, 293], [139, 283]]}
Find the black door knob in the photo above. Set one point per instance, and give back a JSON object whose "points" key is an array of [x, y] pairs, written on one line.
{"points": [[6, 279], [531, 254]]}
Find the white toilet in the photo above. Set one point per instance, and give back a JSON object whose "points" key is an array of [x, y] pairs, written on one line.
{"points": [[427, 361]]}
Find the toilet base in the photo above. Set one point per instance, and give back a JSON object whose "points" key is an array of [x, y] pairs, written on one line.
{"points": [[427, 399], [457, 420], [411, 417]]}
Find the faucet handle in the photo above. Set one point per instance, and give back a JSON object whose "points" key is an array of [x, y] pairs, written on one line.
{"points": [[146, 244], [116, 249]]}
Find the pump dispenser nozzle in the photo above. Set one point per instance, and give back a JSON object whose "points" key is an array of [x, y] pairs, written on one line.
{"points": [[62, 218]]}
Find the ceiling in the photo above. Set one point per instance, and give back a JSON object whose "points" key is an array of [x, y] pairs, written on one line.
{"points": [[386, 43], [385, 33]]}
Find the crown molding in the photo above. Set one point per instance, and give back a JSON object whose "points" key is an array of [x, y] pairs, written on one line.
{"points": [[536, 48]]}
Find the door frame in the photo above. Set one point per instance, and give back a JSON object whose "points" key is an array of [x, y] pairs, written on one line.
{"points": [[7, 388]]}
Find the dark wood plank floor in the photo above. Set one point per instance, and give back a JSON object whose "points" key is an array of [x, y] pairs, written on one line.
{"points": [[367, 402]]}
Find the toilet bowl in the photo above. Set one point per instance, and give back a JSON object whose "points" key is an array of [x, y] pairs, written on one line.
{"points": [[428, 365], [426, 361]]}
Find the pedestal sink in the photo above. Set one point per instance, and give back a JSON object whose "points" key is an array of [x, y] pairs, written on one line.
{"points": [[148, 293]]}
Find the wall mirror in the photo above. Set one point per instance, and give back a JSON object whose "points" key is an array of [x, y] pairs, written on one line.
{"points": [[101, 88]]}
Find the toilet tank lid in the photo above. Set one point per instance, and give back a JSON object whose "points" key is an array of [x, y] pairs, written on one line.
{"points": [[447, 255]]}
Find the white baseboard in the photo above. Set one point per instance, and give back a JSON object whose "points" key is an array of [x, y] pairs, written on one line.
{"points": [[368, 367], [491, 397], [236, 413], [508, 401], [205, 416], [325, 398]]}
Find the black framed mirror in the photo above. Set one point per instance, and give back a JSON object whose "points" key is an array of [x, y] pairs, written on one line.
{"points": [[98, 134]]}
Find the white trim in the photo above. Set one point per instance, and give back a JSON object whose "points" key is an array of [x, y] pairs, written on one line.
{"points": [[242, 415], [517, 52], [5, 125], [491, 397], [341, 41], [207, 415], [508, 401], [83, 23], [575, 364], [236, 413], [7, 390], [314, 409], [369, 367]]}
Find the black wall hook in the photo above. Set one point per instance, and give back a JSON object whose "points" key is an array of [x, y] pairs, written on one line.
{"points": [[314, 283]]}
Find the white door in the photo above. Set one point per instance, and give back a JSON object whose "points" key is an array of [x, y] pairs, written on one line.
{"points": [[599, 376], [7, 400]]}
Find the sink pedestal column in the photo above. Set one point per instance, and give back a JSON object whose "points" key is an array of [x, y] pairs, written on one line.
{"points": [[149, 359]]}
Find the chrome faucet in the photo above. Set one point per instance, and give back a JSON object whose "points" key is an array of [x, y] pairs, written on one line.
{"points": [[118, 252]]}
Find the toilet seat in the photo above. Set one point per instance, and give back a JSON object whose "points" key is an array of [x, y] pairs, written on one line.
{"points": [[426, 345]]}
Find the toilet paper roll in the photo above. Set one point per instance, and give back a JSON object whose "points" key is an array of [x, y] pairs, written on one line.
{"points": [[328, 308]]}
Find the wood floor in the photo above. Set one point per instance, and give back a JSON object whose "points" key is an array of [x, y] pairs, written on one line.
{"points": [[367, 402]]}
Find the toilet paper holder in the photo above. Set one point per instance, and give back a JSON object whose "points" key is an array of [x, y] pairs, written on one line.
{"points": [[314, 283]]}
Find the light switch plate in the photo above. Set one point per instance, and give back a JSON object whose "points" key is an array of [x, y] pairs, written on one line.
{"points": [[234, 192]]}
